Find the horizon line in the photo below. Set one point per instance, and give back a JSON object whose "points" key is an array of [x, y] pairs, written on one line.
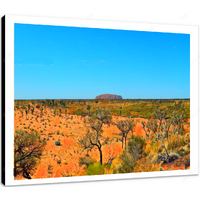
{"points": [[111, 99]]}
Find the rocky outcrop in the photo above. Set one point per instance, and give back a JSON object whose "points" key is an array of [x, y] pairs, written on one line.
{"points": [[108, 96]]}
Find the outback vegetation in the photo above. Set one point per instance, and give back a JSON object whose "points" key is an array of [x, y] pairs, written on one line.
{"points": [[61, 138]]}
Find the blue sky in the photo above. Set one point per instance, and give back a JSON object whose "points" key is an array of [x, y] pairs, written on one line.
{"points": [[55, 62]]}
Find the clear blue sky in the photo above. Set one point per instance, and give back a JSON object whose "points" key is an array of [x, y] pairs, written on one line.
{"points": [[55, 62]]}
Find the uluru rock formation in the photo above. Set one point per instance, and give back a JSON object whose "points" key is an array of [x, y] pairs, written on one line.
{"points": [[108, 96]]}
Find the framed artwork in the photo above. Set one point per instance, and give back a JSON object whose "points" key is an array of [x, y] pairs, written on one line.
{"points": [[86, 100]]}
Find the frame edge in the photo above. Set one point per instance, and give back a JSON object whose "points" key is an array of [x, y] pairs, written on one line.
{"points": [[3, 100]]}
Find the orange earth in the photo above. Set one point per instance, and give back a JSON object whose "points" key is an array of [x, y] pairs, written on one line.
{"points": [[62, 161]]}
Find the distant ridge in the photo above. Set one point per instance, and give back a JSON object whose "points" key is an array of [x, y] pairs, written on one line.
{"points": [[108, 96]]}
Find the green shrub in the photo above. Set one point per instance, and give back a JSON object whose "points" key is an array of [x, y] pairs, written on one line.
{"points": [[132, 153], [153, 144], [108, 166], [57, 143], [86, 161], [96, 169]]}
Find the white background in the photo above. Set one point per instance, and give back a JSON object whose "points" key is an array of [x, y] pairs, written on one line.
{"points": [[164, 18]]}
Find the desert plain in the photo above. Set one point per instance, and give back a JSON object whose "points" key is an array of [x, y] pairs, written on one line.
{"points": [[152, 143]]}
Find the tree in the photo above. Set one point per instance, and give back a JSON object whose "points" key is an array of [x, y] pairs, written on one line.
{"points": [[176, 120], [164, 124], [29, 107], [88, 108], [32, 111], [21, 112], [49, 104], [161, 125], [60, 110], [120, 112], [150, 126], [125, 127], [26, 111], [94, 137], [65, 112], [28, 148], [161, 115]]}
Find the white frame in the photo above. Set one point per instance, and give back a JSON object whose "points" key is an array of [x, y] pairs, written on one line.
{"points": [[9, 94]]}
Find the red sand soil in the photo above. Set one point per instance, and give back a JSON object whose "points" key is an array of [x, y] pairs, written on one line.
{"points": [[59, 161]]}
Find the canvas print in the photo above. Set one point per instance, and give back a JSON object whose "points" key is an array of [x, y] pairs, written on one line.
{"points": [[92, 101]]}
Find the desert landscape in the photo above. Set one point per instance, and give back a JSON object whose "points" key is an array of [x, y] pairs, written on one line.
{"points": [[105, 135], [96, 101]]}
